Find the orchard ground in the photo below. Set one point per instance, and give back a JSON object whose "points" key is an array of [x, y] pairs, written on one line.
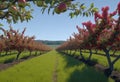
{"points": [[52, 67]]}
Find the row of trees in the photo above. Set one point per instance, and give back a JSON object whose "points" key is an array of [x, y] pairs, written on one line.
{"points": [[20, 10], [104, 35], [14, 40]]}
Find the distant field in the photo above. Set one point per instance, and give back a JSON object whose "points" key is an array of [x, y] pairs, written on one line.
{"points": [[53, 46]]}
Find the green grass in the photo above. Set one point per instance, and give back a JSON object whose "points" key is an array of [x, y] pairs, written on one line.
{"points": [[41, 69], [10, 58], [101, 59], [38, 69], [72, 70]]}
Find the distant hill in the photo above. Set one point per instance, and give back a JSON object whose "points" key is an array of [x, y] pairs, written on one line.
{"points": [[48, 42]]}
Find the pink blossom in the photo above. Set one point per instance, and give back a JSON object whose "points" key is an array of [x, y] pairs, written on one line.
{"points": [[87, 24], [97, 16], [113, 13], [105, 8], [105, 12], [90, 26]]}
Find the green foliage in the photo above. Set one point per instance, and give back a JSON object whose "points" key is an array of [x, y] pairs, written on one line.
{"points": [[81, 9], [14, 11]]}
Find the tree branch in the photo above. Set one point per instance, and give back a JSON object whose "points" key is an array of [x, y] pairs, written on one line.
{"points": [[113, 62]]}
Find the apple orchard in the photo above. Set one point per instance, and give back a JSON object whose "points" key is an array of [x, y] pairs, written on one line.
{"points": [[103, 35]]}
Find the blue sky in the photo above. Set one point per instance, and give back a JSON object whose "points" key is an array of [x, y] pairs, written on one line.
{"points": [[58, 27]]}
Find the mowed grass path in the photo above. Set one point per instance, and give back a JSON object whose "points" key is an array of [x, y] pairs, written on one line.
{"points": [[43, 68]]}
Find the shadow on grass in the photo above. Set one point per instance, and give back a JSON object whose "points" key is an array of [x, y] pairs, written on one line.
{"points": [[82, 73], [71, 62], [91, 62], [9, 60], [73, 58], [87, 74]]}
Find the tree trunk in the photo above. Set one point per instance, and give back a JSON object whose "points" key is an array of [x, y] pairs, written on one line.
{"points": [[0, 53], [74, 52], [36, 53], [114, 52], [40, 52], [70, 52], [6, 52], [116, 59], [81, 55], [10, 52], [18, 55], [96, 51], [67, 52], [30, 53], [90, 55], [111, 67]]}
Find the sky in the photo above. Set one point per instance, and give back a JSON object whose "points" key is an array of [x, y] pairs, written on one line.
{"points": [[57, 27]]}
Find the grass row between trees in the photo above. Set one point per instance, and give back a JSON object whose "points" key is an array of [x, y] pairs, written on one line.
{"points": [[42, 68], [101, 59]]}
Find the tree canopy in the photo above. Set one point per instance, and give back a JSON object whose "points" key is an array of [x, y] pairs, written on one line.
{"points": [[20, 10]]}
